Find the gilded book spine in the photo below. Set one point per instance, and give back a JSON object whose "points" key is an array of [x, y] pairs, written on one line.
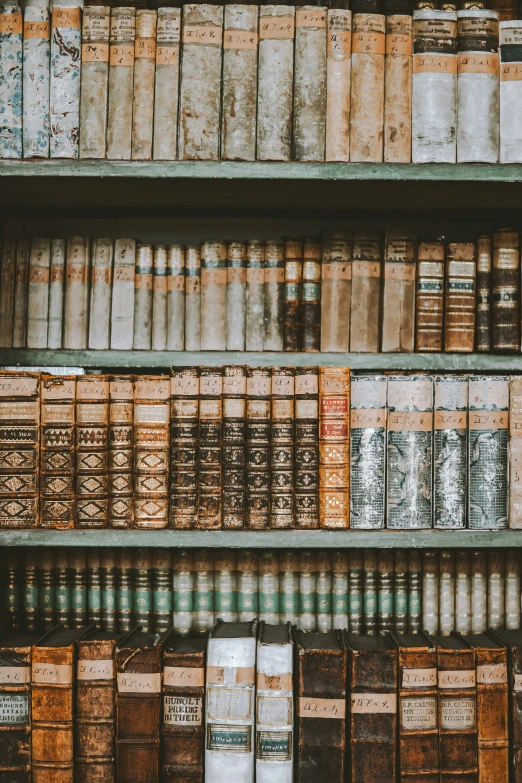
{"points": [[338, 83], [505, 303], [510, 91], [334, 447], [225, 585], [255, 296], [409, 452], [307, 447], [515, 452], [108, 588], [11, 81], [210, 438], [92, 450], [488, 452], [76, 311], [7, 289], [336, 290], [95, 81], [274, 310], [100, 294], [484, 285], [309, 111], [311, 296], [36, 54], [397, 95], [282, 451], [275, 82], [175, 298], [450, 451], [166, 88], [293, 295], [162, 592], [121, 430], [159, 299], [200, 90], [429, 296], [64, 105], [144, 73], [58, 460], [240, 50], [56, 294], [366, 293], [192, 299], [461, 273], [38, 293], [398, 306], [213, 296], [234, 446], [20, 293], [122, 306], [258, 427], [434, 92], [236, 296], [121, 81], [367, 451], [143, 292], [367, 101], [184, 416]]}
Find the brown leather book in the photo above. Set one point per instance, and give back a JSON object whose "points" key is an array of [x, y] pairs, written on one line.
{"points": [[507, 9], [512, 640], [210, 447], [429, 305], [321, 689], [258, 429], [92, 450], [293, 284], [183, 728], [282, 453], [366, 290], [372, 681], [306, 447], [505, 303], [234, 447], [57, 458], [121, 452], [484, 283], [184, 417], [398, 301], [139, 657], [311, 296], [460, 300], [334, 447]]}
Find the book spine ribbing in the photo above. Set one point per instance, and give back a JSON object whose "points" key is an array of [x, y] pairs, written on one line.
{"points": [[203, 590], [121, 81], [484, 286], [510, 90], [64, 105], [446, 593], [38, 293], [258, 432], [159, 299], [56, 294], [58, 459], [397, 95], [234, 446], [288, 588], [367, 451], [270, 600], [15, 704], [36, 60], [515, 452], [334, 447], [400, 591], [183, 592], [95, 81], [142, 593], [225, 586], [151, 451], [306, 447], [366, 293], [166, 87], [463, 592], [100, 293], [184, 418], [367, 99], [307, 591], [213, 296], [175, 298], [309, 109], [415, 621], [11, 81], [236, 296], [76, 313], [162, 591], [144, 73], [122, 306], [143, 292], [94, 587], [282, 448], [338, 82], [108, 588], [124, 580], [429, 304], [311, 297], [92, 451], [430, 592], [121, 453], [78, 563], [210, 437], [247, 586], [459, 305], [505, 301], [339, 590]]}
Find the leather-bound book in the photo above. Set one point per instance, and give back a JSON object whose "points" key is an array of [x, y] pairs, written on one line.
{"points": [[92, 450], [184, 416], [258, 432], [306, 447], [183, 736], [484, 284], [234, 447], [507, 9], [366, 291], [515, 452], [321, 689], [367, 451], [311, 295], [429, 304], [336, 290], [459, 305], [58, 458], [121, 452], [19, 449], [210, 447], [162, 592], [282, 452], [505, 304], [21, 289], [293, 285], [334, 447], [53, 668], [139, 666], [512, 640]]}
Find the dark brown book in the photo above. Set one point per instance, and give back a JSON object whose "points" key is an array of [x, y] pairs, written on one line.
{"points": [[320, 692], [282, 453], [293, 284], [234, 447], [311, 296], [210, 448], [183, 729], [121, 451], [258, 428], [459, 305], [307, 447], [429, 305], [512, 640], [505, 304], [184, 416], [484, 284], [92, 450]]}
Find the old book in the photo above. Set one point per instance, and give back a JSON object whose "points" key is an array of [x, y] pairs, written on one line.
{"points": [[183, 731], [38, 293], [505, 301], [234, 446], [306, 453], [512, 640], [293, 295], [21, 293], [240, 56], [122, 304], [64, 104], [370, 592], [175, 297], [398, 305], [151, 451], [334, 447], [287, 571], [507, 9], [213, 296], [367, 100], [78, 563], [483, 302], [478, 592], [462, 592], [200, 89], [282, 456], [182, 580], [229, 700], [450, 451], [100, 294], [121, 82], [139, 666], [274, 296], [515, 452], [166, 86], [95, 81], [19, 449], [309, 106], [258, 435], [76, 312], [397, 95], [434, 91], [56, 294], [446, 592], [62, 583], [143, 291], [495, 590], [120, 451], [248, 586], [338, 83], [307, 604], [366, 292], [36, 74], [461, 271], [236, 290], [58, 457], [46, 592], [311, 296], [225, 585], [400, 591], [184, 418], [7, 289], [488, 447], [92, 450], [367, 450], [162, 593], [429, 305], [512, 589], [275, 82], [124, 589], [11, 83], [355, 588], [336, 289], [323, 591], [142, 589], [144, 73], [210, 438], [339, 590], [192, 299], [159, 299], [94, 608], [409, 452], [30, 597], [255, 295], [510, 115]]}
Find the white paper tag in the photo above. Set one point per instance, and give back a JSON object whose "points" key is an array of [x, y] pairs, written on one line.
{"points": [[457, 679], [52, 673], [492, 674], [373, 703], [133, 682], [14, 675], [419, 678], [95, 670], [183, 677]]}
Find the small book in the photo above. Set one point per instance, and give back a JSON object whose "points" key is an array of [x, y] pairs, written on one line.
{"points": [[484, 292]]}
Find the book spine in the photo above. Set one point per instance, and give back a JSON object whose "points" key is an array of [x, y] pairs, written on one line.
{"points": [[510, 112], [339, 590], [20, 293], [282, 448], [58, 458], [38, 293], [78, 563], [366, 293], [338, 82], [505, 302], [258, 435], [184, 419], [159, 299], [492, 711], [309, 109], [143, 293], [76, 312], [367, 99], [255, 296], [484, 285], [95, 81], [248, 586], [183, 593], [46, 589], [92, 451], [270, 594], [288, 587], [306, 447], [64, 104], [450, 452], [367, 451], [15, 708], [409, 498], [446, 593], [515, 452], [100, 294], [142, 594], [457, 714], [323, 591], [311, 297], [30, 595], [463, 592], [56, 294], [307, 591], [415, 617], [274, 310], [400, 591], [293, 295], [495, 590], [192, 299], [512, 589], [200, 90], [166, 87], [225, 585], [239, 84], [334, 447], [121, 83], [11, 82], [108, 588], [144, 73], [62, 592], [236, 296], [234, 446], [124, 580], [336, 289], [398, 305], [12, 589], [162, 590], [275, 82], [151, 451], [175, 297], [430, 592], [429, 304], [370, 592], [36, 62], [121, 453], [213, 296], [203, 590], [478, 592], [7, 288], [210, 438], [459, 327], [397, 95], [122, 306], [94, 587]]}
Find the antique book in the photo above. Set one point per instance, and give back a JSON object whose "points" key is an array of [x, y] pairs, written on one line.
{"points": [[495, 590], [507, 9], [415, 618], [334, 447], [512, 641], [311, 296], [505, 300], [446, 592], [11, 82], [309, 105], [46, 592], [236, 292], [429, 305], [510, 33], [409, 473], [248, 586], [488, 452], [366, 291], [21, 293], [64, 103], [94, 586], [450, 451], [203, 590], [512, 589], [62, 585], [306, 454], [100, 293], [478, 592], [478, 86], [282, 457], [56, 294], [58, 453], [143, 289], [483, 302], [338, 83], [78, 571], [166, 85], [384, 592], [274, 704], [213, 296], [120, 451], [183, 734], [459, 305], [38, 293], [121, 82], [95, 81], [30, 597], [19, 449], [192, 299], [229, 701], [143, 93], [76, 312], [200, 88], [400, 591], [122, 304], [367, 99], [255, 295], [159, 299], [515, 452], [397, 94], [142, 589], [225, 585], [336, 290], [7, 290], [180, 583], [307, 620], [293, 295], [92, 450], [36, 74], [339, 590], [288, 587], [239, 82], [175, 297], [151, 451], [463, 592], [275, 82], [323, 591], [370, 592], [434, 90], [367, 450], [258, 435], [234, 446], [162, 592], [274, 296], [398, 296], [124, 576], [184, 417], [210, 437], [139, 666]]}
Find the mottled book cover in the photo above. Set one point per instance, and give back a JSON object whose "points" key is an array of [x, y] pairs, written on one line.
{"points": [[368, 451], [450, 446]]}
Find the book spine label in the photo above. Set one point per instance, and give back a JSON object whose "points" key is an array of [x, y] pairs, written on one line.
{"points": [[7, 289], [20, 293], [213, 296], [122, 305], [338, 82], [367, 451], [38, 293], [397, 96], [121, 395], [175, 298], [367, 100], [336, 288], [57, 452], [151, 451], [144, 72], [56, 294], [92, 450], [95, 81], [307, 447], [166, 87], [293, 295], [450, 452], [366, 293], [36, 54], [11, 82], [184, 416], [143, 293], [210, 439], [274, 310], [510, 91], [311, 297], [398, 322], [274, 711], [275, 82], [258, 427], [457, 712], [64, 104], [429, 296], [121, 81], [418, 712], [192, 299], [255, 296], [461, 271], [334, 447], [159, 299], [505, 305], [183, 714], [234, 447], [515, 452], [309, 110], [101, 285], [484, 284], [282, 448], [76, 293], [236, 296]]}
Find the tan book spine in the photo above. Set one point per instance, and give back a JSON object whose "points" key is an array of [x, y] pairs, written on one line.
{"points": [[236, 296], [255, 295], [336, 292], [429, 304], [338, 84], [213, 296], [166, 88], [367, 102], [398, 306], [64, 91], [56, 294], [175, 298], [461, 274], [366, 292], [121, 81], [20, 293], [397, 93], [7, 288], [515, 452], [38, 293], [309, 110], [76, 293], [144, 74], [159, 299], [57, 465], [92, 450], [151, 451], [101, 287], [121, 453], [192, 298], [95, 81], [36, 76], [334, 447], [122, 305], [143, 287]]}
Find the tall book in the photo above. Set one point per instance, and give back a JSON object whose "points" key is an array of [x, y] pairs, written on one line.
{"points": [[397, 94], [7, 290], [515, 452], [21, 293], [175, 296], [64, 105], [213, 296], [255, 295], [36, 74], [398, 306], [38, 293], [100, 293], [366, 292], [282, 442], [11, 82], [166, 86], [459, 305], [95, 81], [484, 285], [367, 451], [76, 313], [429, 305], [505, 302], [293, 295], [184, 418], [258, 432], [367, 101], [334, 447], [142, 589], [450, 451], [306, 447], [56, 294], [248, 585], [143, 292], [210, 437], [512, 641], [162, 592], [92, 450], [338, 79], [192, 299], [309, 109], [159, 299], [311, 296], [236, 296], [121, 451], [144, 73], [274, 296], [58, 452], [510, 38], [234, 446], [121, 80], [203, 590]]}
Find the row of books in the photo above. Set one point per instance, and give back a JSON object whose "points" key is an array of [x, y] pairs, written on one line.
{"points": [[269, 82], [364, 590], [360, 292], [260, 703]]}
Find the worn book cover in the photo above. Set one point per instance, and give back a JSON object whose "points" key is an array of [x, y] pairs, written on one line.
{"points": [[282, 455], [311, 296], [210, 438], [234, 446], [459, 305], [76, 312], [334, 447], [510, 33], [159, 299], [512, 640], [367, 450], [184, 418], [255, 295], [121, 81], [274, 304], [450, 451], [143, 292], [37, 294], [484, 286], [21, 293], [366, 292], [398, 305], [429, 316], [121, 451], [309, 109], [213, 296], [92, 450], [151, 451], [95, 81], [144, 73], [398, 66], [35, 85], [338, 82], [166, 85], [192, 298], [306, 447], [367, 100], [64, 105], [236, 296], [258, 448], [336, 291], [505, 303], [58, 451]]}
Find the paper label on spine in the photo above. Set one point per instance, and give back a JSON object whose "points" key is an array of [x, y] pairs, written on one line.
{"points": [[373, 703], [229, 703], [457, 713], [183, 677], [478, 63], [419, 678], [517, 682], [52, 673], [37, 30], [96, 53], [239, 39], [193, 34], [368, 43], [15, 675], [321, 708], [169, 55], [274, 710], [435, 63], [277, 27], [394, 270], [274, 682], [511, 72], [451, 420], [183, 710], [488, 420], [95, 670], [230, 675], [397, 43], [66, 17], [409, 421], [339, 43], [139, 683], [305, 17], [492, 674], [457, 679], [14, 709], [366, 269], [122, 54], [419, 713], [11, 23]]}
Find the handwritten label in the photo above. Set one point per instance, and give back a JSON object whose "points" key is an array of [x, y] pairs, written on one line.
{"points": [[183, 677], [451, 420], [139, 683], [231, 675], [371, 417], [339, 44], [457, 679], [306, 17], [239, 39], [479, 63], [274, 275], [488, 420], [11, 23], [394, 270], [336, 271], [511, 72], [152, 389], [419, 678], [18, 387], [168, 55], [321, 708], [435, 63], [52, 673], [193, 34], [145, 48], [397, 43], [95, 53], [14, 675], [121, 55], [277, 28], [517, 682], [492, 674], [368, 43], [363, 703], [274, 682], [366, 269], [37, 30], [66, 17], [409, 421], [95, 670]]}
